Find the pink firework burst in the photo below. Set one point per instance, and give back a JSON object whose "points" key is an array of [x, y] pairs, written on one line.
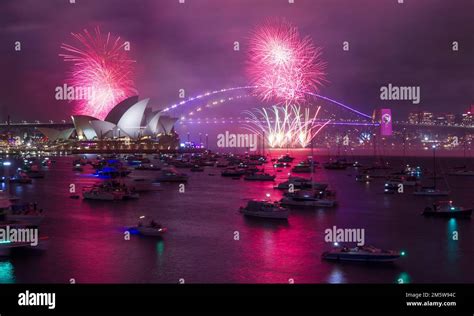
{"points": [[283, 65], [101, 66]]}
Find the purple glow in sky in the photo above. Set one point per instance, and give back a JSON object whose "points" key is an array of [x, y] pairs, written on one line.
{"points": [[191, 46]]}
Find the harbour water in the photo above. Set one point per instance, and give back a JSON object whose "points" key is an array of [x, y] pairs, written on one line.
{"points": [[209, 241]]}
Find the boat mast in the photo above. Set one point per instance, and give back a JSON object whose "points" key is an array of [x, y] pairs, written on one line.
{"points": [[434, 165]]}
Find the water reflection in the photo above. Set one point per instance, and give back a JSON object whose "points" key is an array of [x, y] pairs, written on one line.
{"points": [[452, 240], [336, 276], [6, 272], [403, 278]]}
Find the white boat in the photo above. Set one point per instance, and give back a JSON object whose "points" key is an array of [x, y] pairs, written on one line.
{"points": [[362, 253], [265, 209]]}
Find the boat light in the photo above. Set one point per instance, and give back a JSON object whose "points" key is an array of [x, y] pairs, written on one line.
{"points": [[403, 253], [142, 217]]}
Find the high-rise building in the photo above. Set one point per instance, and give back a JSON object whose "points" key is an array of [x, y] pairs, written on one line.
{"points": [[426, 117], [450, 118], [414, 117], [467, 119]]}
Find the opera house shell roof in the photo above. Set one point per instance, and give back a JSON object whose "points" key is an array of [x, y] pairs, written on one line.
{"points": [[130, 118]]}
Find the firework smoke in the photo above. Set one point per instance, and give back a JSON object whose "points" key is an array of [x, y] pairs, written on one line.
{"points": [[283, 65], [99, 63]]}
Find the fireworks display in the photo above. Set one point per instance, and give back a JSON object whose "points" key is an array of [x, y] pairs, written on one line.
{"points": [[282, 64], [285, 126], [100, 64]]}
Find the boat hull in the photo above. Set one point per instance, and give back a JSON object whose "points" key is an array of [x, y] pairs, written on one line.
{"points": [[268, 215], [360, 257], [307, 203], [448, 214]]}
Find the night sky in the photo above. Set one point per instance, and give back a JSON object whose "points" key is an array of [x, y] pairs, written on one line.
{"points": [[190, 46]]}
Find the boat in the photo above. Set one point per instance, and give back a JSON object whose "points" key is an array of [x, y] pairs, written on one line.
{"points": [[285, 158], [301, 168], [25, 213], [463, 172], [448, 210], [78, 167], [233, 172], [222, 164], [363, 178], [297, 183], [35, 173], [197, 168], [361, 253], [21, 178], [98, 194], [152, 229], [390, 188], [430, 191], [307, 198], [265, 209], [281, 165], [171, 175], [108, 191], [404, 180], [112, 172], [259, 177], [147, 167], [335, 165]]}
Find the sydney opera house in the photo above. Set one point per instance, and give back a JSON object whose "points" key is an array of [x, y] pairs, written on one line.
{"points": [[131, 119]]}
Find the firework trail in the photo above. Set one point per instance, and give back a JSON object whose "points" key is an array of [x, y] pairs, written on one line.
{"points": [[284, 126], [282, 64], [100, 63]]}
